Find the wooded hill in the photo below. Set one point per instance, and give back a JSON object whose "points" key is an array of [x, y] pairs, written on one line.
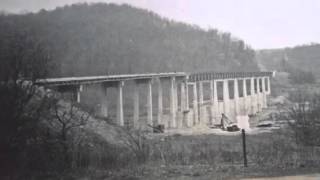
{"points": [[300, 58], [99, 39]]}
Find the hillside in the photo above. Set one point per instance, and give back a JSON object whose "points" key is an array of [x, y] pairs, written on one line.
{"points": [[305, 58], [100, 39]]}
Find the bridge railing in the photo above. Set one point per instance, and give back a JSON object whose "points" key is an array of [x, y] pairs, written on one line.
{"points": [[225, 75]]}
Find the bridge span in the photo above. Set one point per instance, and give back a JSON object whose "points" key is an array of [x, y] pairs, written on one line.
{"points": [[229, 93]]}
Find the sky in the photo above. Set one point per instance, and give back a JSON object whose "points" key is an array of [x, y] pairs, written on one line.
{"points": [[263, 24]]}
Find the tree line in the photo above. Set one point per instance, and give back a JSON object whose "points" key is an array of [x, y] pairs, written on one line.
{"points": [[103, 39]]}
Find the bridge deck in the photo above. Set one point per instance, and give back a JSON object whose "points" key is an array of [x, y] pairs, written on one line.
{"points": [[108, 78], [124, 77]]}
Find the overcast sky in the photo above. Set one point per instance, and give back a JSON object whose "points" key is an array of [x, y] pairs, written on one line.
{"points": [[261, 23]]}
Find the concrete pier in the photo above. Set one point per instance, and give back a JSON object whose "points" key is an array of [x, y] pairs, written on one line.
{"points": [[136, 105], [149, 104], [173, 100], [104, 101], [226, 98], [244, 94], [120, 119], [160, 102], [79, 90], [236, 97], [259, 102], [212, 110], [253, 96], [201, 107], [216, 103], [195, 104]]}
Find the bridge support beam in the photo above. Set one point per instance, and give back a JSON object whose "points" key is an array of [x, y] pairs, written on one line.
{"points": [[236, 97], [201, 105], [160, 102], [120, 119], [149, 105], [136, 113], [253, 94], [212, 111], [183, 98], [264, 96], [79, 90], [195, 104], [244, 89], [268, 84], [226, 97], [216, 102], [259, 104], [104, 101], [173, 100]]}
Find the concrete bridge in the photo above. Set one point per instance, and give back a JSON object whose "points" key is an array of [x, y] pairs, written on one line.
{"points": [[198, 98]]}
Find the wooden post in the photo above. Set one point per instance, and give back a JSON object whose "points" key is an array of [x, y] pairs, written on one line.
{"points": [[245, 163]]}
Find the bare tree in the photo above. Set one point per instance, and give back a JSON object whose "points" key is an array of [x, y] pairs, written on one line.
{"points": [[23, 59], [306, 119]]}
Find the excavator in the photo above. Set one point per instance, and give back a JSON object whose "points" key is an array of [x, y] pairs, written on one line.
{"points": [[227, 125]]}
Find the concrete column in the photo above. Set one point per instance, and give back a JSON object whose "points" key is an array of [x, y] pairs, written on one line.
{"points": [[211, 102], [104, 103], [226, 97], [183, 95], [160, 102], [79, 90], [215, 100], [173, 99], [120, 104], [201, 93], [236, 97], [201, 112], [269, 87], [258, 95], [244, 82], [149, 104], [187, 96], [253, 94], [136, 112], [264, 97], [195, 104]]}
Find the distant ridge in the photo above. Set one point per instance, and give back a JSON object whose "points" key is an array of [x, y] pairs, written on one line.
{"points": [[303, 57]]}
